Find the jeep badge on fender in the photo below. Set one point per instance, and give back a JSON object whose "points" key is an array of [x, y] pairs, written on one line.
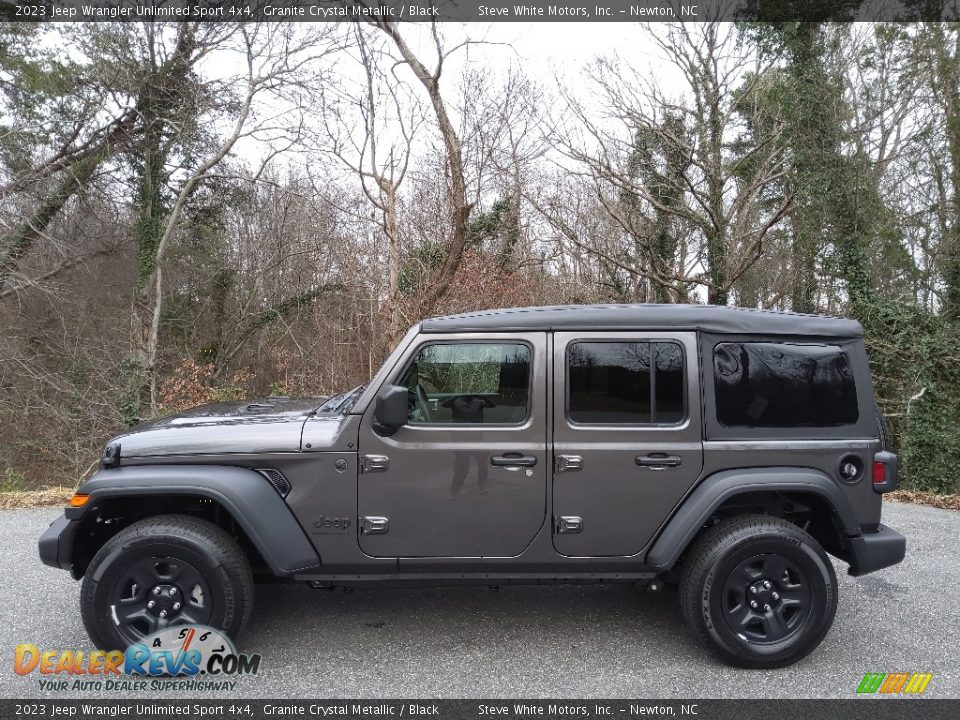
{"points": [[335, 524], [726, 451]]}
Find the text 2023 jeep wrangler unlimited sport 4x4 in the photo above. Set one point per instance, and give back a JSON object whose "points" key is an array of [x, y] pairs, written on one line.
{"points": [[728, 450]]}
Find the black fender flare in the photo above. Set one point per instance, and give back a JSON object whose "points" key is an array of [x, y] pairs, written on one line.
{"points": [[699, 505], [246, 494]]}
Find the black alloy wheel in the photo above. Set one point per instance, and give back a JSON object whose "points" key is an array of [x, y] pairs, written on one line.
{"points": [[766, 598], [157, 592]]}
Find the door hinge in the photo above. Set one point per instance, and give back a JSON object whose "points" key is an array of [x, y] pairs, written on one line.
{"points": [[569, 524], [568, 463], [374, 463], [374, 525]]}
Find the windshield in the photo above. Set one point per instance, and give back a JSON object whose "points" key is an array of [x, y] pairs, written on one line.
{"points": [[340, 404]]}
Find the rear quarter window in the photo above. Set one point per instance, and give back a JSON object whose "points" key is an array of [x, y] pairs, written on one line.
{"points": [[783, 385]]}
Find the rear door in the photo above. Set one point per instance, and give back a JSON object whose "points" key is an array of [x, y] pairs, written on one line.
{"points": [[467, 475], [627, 437]]}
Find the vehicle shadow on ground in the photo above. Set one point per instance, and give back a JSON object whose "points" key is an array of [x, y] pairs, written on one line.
{"points": [[474, 619]]}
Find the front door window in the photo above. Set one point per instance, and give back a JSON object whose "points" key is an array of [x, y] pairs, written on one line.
{"points": [[474, 383]]}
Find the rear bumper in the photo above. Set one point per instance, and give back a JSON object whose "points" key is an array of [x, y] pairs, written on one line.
{"points": [[56, 544], [874, 551]]}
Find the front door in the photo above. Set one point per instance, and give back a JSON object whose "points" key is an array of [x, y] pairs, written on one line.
{"points": [[627, 439], [467, 475]]}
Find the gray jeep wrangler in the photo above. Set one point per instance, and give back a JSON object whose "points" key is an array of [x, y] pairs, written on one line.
{"points": [[720, 449]]}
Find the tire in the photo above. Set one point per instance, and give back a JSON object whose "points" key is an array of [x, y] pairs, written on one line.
{"points": [[188, 568], [737, 555], [883, 430]]}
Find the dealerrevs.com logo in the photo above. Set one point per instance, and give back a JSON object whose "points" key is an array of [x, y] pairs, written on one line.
{"points": [[184, 652], [894, 683]]}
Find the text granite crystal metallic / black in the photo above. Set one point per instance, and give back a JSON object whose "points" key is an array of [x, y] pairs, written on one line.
{"points": [[722, 450]]}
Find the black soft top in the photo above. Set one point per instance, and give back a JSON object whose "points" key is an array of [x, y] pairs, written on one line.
{"points": [[706, 318]]}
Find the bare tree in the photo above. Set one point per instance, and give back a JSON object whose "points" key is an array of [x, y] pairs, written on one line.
{"points": [[663, 169], [939, 51], [459, 205], [275, 58], [370, 130]]}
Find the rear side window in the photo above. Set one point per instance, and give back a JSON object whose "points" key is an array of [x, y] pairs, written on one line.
{"points": [[780, 385], [625, 383]]}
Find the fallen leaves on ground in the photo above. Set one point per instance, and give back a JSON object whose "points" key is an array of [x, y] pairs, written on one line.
{"points": [[47, 497], [918, 497]]}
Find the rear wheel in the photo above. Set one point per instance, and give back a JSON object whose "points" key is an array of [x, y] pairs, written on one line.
{"points": [[759, 591], [164, 571]]}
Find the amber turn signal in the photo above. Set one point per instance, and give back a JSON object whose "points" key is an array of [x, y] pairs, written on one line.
{"points": [[79, 500]]}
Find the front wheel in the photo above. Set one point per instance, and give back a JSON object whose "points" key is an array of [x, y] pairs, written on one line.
{"points": [[759, 591], [164, 571]]}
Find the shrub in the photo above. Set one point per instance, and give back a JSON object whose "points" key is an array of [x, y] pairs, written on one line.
{"points": [[915, 360], [13, 480]]}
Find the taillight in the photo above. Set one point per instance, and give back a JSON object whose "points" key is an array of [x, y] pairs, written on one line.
{"points": [[886, 473], [879, 473]]}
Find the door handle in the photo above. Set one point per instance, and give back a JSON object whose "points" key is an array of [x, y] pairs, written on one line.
{"points": [[513, 460], [658, 461]]}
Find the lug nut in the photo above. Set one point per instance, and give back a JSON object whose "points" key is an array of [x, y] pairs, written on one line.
{"points": [[163, 613], [766, 584], [775, 596], [173, 591], [753, 604], [766, 608], [176, 606], [753, 589], [151, 604], [156, 591]]}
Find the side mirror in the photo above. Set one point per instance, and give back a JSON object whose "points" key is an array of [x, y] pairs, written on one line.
{"points": [[392, 409]]}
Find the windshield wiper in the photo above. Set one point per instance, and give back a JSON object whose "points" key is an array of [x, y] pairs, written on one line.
{"points": [[341, 402]]}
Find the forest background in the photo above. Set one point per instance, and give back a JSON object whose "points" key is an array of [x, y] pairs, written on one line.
{"points": [[200, 212]]}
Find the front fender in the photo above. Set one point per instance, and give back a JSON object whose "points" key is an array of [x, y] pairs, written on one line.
{"points": [[716, 489], [248, 496]]}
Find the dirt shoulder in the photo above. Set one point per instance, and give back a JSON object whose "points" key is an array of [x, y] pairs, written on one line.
{"points": [[47, 497]]}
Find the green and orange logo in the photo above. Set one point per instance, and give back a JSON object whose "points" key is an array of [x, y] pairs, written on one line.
{"points": [[894, 683]]}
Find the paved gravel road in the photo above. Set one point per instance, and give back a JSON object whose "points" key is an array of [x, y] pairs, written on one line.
{"points": [[590, 641]]}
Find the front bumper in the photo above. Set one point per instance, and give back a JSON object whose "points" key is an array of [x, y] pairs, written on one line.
{"points": [[56, 544], [873, 551]]}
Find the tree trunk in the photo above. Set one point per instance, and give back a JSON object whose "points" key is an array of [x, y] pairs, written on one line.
{"points": [[949, 74], [718, 288], [391, 228], [802, 247], [457, 192]]}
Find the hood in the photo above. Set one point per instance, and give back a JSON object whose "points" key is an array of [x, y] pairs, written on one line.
{"points": [[274, 424]]}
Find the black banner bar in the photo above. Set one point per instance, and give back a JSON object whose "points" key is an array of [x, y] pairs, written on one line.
{"points": [[477, 10], [852, 709]]}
